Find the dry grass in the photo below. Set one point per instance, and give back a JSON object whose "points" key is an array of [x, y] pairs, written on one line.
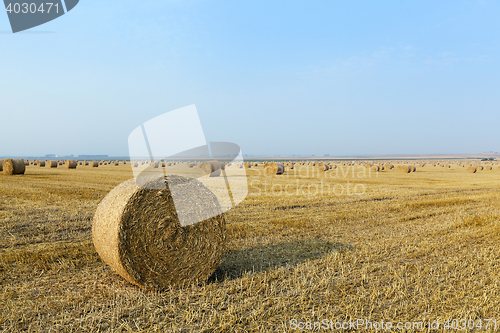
{"points": [[419, 246]]}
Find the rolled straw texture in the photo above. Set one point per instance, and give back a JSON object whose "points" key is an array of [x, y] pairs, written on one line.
{"points": [[136, 231], [13, 167], [71, 164]]}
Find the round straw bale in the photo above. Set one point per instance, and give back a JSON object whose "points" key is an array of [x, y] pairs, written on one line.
{"points": [[71, 164], [413, 168], [281, 169], [270, 169], [26, 163], [41, 164], [480, 168], [1, 165], [212, 168], [323, 167], [13, 167], [52, 164], [403, 168], [375, 168], [136, 164], [472, 169], [136, 231], [94, 164], [489, 167]]}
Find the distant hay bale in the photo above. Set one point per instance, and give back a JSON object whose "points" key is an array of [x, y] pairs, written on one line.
{"points": [[94, 164], [403, 168], [117, 163], [71, 164], [26, 163], [281, 169], [52, 164], [137, 232], [14, 167], [270, 169], [80, 163], [472, 169], [61, 163], [413, 168], [211, 168], [480, 168], [162, 164], [323, 167], [136, 164], [488, 168], [41, 164], [375, 168], [85, 162]]}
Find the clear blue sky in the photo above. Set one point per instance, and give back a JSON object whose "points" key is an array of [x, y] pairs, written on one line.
{"points": [[275, 77]]}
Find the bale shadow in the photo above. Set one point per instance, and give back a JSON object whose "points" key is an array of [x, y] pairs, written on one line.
{"points": [[237, 263]]}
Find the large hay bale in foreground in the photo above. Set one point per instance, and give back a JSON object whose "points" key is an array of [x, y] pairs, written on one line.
{"points": [[136, 231], [71, 164], [13, 167]]}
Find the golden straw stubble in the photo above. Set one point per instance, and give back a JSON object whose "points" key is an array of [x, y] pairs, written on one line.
{"points": [[137, 232], [13, 167]]}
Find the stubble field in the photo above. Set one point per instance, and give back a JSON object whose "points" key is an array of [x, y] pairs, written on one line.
{"points": [[306, 246]]}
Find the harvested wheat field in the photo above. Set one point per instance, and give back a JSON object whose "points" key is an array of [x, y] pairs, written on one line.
{"points": [[343, 244]]}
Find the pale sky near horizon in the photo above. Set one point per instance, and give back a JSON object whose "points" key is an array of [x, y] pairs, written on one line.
{"points": [[276, 77]]}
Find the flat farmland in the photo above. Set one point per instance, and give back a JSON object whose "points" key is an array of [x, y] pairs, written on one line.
{"points": [[307, 246]]}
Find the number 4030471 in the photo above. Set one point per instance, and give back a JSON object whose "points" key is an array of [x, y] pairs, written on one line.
{"points": [[32, 8]]}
